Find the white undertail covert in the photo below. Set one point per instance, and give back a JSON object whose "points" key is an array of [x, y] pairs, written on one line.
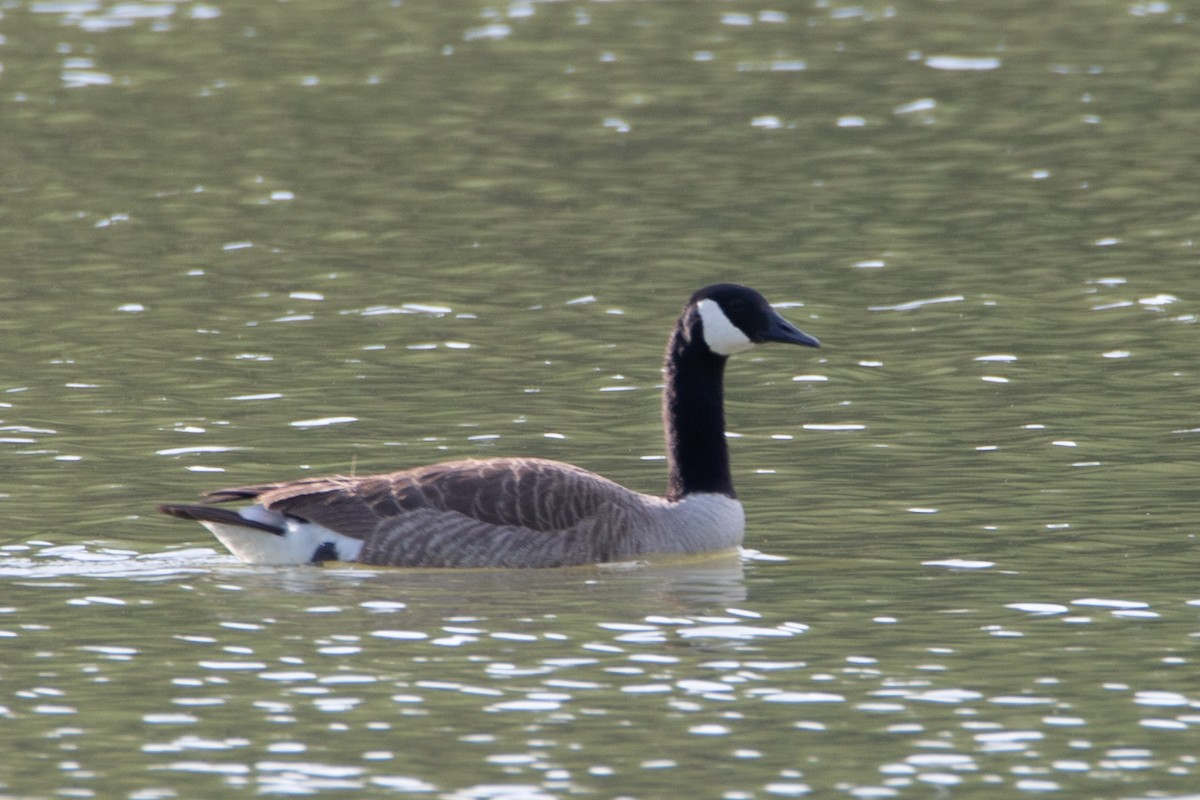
{"points": [[298, 544]]}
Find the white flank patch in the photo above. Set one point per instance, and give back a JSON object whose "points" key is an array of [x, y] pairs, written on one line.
{"points": [[297, 545], [722, 336]]}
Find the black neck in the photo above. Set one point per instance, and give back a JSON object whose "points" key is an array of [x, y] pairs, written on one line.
{"points": [[694, 416]]}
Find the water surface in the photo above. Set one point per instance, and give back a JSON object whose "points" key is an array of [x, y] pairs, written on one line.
{"points": [[251, 241]]}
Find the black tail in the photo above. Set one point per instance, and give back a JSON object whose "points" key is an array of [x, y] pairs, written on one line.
{"points": [[224, 516]]}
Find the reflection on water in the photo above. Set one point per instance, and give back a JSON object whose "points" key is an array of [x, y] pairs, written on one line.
{"points": [[270, 240], [694, 582], [513, 683]]}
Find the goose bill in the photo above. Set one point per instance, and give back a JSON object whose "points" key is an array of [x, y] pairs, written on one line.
{"points": [[780, 330]]}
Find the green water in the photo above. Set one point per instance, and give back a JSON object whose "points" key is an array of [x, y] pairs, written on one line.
{"points": [[247, 241]]}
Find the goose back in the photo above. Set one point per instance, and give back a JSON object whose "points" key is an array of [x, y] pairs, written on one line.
{"points": [[531, 493]]}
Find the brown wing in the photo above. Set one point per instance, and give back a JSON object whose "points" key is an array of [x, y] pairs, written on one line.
{"points": [[530, 494], [427, 538]]}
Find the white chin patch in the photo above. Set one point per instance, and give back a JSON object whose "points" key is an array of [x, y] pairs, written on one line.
{"points": [[722, 336]]}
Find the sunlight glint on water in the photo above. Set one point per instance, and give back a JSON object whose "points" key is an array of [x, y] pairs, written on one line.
{"points": [[374, 237]]}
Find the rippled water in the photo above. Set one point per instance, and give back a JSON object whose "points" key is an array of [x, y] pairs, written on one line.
{"points": [[156, 674], [249, 241]]}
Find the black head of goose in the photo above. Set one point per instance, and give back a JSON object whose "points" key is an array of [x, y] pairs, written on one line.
{"points": [[527, 512]]}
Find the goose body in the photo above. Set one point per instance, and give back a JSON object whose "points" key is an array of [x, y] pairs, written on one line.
{"points": [[526, 512]]}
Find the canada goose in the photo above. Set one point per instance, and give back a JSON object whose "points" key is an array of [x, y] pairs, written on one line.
{"points": [[527, 512]]}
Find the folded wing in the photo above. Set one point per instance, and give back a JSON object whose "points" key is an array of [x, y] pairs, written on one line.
{"points": [[500, 512]]}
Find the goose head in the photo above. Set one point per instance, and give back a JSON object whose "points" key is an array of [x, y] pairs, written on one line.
{"points": [[732, 318]]}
